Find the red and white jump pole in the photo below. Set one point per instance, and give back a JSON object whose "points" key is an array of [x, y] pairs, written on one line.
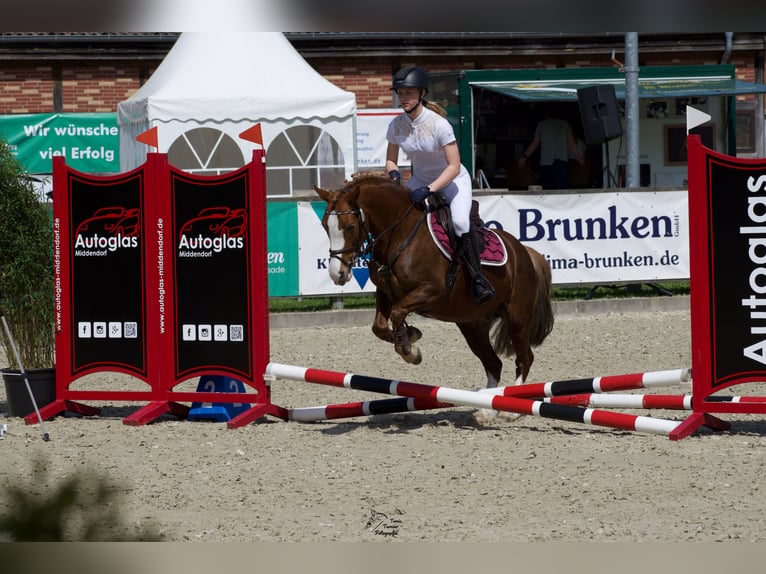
{"points": [[628, 401], [404, 404], [624, 401], [633, 381], [473, 399], [363, 408], [564, 388], [591, 400]]}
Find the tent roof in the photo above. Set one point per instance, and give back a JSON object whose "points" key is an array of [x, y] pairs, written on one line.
{"points": [[256, 76]]}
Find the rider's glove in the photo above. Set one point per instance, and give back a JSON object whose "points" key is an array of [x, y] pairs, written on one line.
{"points": [[419, 195]]}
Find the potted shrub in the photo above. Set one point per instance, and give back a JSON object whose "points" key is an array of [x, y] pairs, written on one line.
{"points": [[26, 286]]}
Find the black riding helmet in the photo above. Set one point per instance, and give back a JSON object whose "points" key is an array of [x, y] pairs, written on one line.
{"points": [[410, 77]]}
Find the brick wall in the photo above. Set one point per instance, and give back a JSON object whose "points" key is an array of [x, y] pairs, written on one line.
{"points": [[26, 90], [99, 87], [84, 88], [371, 80]]}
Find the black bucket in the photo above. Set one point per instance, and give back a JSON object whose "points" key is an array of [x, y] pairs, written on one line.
{"points": [[41, 381]]}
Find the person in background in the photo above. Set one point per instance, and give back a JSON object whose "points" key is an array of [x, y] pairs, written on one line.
{"points": [[425, 135], [554, 137]]}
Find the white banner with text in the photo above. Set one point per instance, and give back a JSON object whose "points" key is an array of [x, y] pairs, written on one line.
{"points": [[610, 237], [588, 238]]}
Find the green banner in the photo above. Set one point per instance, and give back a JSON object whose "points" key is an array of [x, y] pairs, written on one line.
{"points": [[282, 244], [89, 142]]}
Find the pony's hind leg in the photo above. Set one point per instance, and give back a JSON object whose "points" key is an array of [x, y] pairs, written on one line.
{"points": [[478, 339], [476, 334], [523, 365], [524, 355], [524, 359]]}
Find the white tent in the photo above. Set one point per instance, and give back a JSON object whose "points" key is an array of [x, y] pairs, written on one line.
{"points": [[228, 82]]}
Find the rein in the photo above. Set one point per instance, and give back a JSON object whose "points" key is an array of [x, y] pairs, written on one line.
{"points": [[366, 244], [404, 243]]}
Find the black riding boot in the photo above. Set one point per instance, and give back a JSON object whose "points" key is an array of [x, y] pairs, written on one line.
{"points": [[481, 289]]}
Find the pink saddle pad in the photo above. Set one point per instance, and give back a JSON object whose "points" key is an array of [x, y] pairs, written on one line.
{"points": [[494, 252]]}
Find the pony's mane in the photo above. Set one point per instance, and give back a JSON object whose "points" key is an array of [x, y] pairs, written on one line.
{"points": [[375, 179], [371, 177]]}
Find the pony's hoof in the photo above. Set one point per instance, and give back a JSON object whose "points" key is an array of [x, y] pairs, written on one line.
{"points": [[414, 334], [484, 416], [509, 417], [413, 357], [488, 416]]}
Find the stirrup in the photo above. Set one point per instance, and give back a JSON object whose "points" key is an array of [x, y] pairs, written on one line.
{"points": [[481, 290]]}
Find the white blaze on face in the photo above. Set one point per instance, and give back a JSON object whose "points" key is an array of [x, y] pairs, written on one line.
{"points": [[336, 243]]}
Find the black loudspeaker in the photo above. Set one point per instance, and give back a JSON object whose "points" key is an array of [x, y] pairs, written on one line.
{"points": [[600, 113]]}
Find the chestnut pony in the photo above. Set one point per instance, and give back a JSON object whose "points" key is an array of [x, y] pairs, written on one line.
{"points": [[372, 216]]}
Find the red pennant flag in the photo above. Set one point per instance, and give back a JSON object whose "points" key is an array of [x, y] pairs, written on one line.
{"points": [[149, 137], [253, 134]]}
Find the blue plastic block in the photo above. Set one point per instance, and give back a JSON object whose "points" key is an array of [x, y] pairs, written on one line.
{"points": [[221, 412]]}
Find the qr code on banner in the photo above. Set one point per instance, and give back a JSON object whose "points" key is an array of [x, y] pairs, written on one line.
{"points": [[131, 330], [236, 333]]}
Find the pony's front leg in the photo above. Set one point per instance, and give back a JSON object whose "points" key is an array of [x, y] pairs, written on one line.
{"points": [[381, 327], [404, 344], [404, 335]]}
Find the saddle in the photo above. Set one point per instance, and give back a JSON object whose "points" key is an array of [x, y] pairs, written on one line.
{"points": [[439, 220], [491, 248]]}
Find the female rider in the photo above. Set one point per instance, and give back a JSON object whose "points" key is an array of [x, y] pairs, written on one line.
{"points": [[425, 135]]}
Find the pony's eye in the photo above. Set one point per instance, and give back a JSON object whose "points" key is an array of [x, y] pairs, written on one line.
{"points": [[349, 227]]}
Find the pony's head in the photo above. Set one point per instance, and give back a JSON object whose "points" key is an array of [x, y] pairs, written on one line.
{"points": [[343, 222], [348, 223]]}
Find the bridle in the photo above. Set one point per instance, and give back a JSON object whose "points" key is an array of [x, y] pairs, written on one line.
{"points": [[365, 243], [363, 234]]}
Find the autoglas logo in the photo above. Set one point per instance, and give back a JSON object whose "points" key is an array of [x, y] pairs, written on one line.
{"points": [[108, 229], [213, 230]]}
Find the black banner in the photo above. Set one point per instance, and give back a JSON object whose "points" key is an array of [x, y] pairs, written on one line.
{"points": [[211, 255], [737, 247], [108, 307]]}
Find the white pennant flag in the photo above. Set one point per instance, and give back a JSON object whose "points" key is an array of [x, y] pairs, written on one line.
{"points": [[694, 118]]}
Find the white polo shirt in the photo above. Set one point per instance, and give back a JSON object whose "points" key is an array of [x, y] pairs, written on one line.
{"points": [[423, 141]]}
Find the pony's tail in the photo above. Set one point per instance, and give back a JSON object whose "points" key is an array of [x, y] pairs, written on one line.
{"points": [[542, 319], [542, 322]]}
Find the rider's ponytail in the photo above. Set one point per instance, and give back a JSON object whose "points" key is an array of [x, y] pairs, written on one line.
{"points": [[434, 107]]}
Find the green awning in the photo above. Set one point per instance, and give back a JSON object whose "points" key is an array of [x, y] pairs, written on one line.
{"points": [[566, 89]]}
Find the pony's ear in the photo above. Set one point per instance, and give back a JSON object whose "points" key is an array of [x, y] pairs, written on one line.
{"points": [[352, 193], [323, 193]]}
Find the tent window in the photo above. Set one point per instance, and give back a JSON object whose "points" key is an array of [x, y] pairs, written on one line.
{"points": [[205, 151], [277, 182], [301, 157]]}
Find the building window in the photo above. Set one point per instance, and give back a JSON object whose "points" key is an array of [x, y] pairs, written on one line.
{"points": [[745, 127]]}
